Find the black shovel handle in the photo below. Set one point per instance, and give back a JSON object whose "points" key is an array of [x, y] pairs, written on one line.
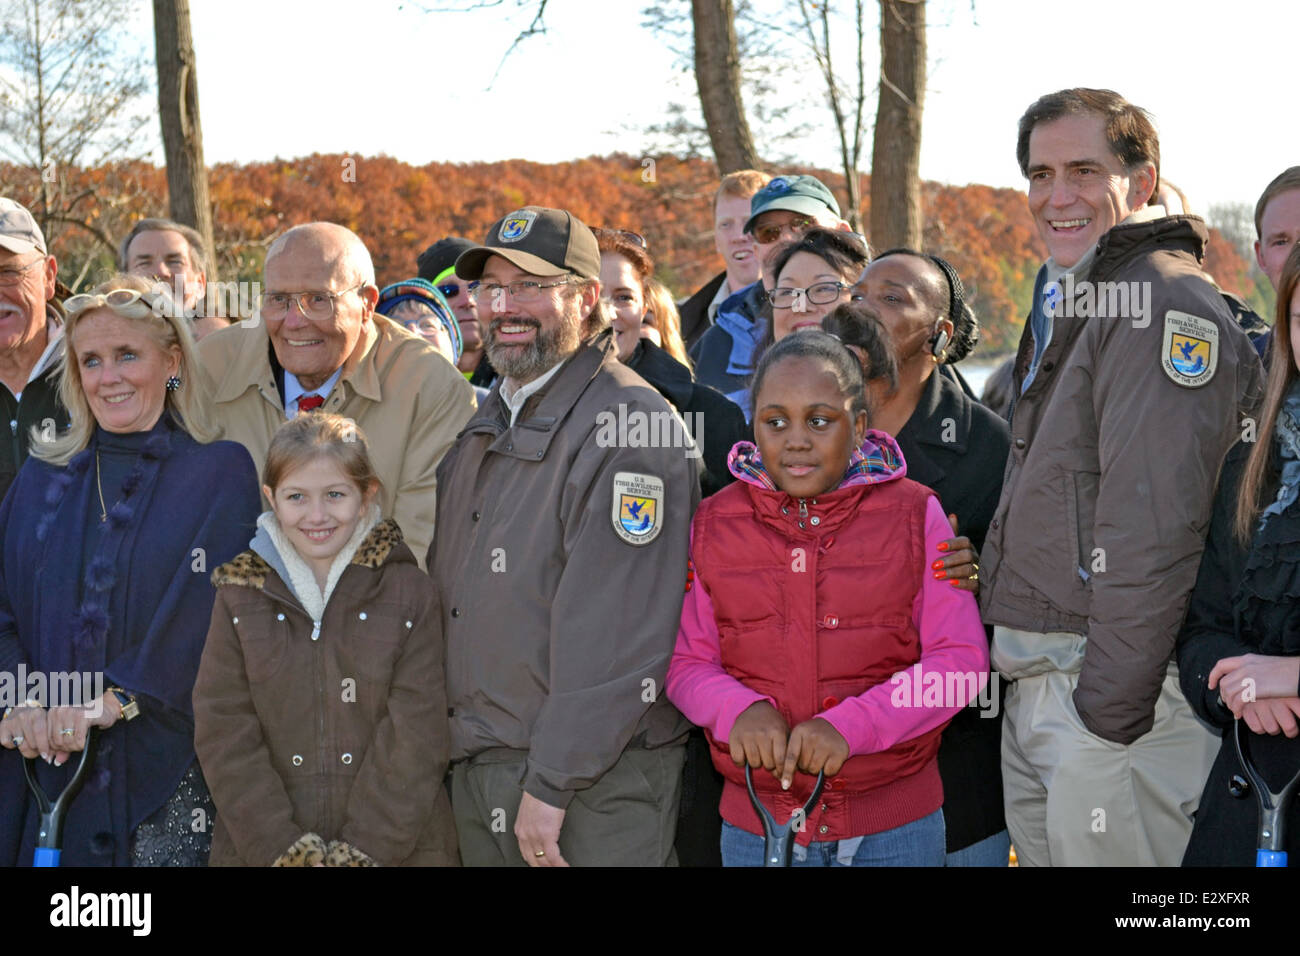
{"points": [[50, 835], [778, 839], [1273, 805]]}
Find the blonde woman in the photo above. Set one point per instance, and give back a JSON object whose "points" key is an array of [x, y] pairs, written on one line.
{"points": [[109, 534]]}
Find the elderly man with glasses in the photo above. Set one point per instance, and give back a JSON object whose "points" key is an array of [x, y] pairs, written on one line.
{"points": [[31, 339], [317, 342]]}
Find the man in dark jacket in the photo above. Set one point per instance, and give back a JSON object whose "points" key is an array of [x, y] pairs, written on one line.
{"points": [[734, 245], [1131, 383], [31, 339], [561, 561]]}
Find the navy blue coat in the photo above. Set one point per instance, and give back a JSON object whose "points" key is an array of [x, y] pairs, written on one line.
{"points": [[140, 618]]}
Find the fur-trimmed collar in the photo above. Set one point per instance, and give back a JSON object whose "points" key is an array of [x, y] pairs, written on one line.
{"points": [[250, 569]]}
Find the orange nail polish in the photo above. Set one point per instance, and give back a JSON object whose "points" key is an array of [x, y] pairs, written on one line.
{"points": [[940, 575], [955, 582], [937, 566], [943, 545]]}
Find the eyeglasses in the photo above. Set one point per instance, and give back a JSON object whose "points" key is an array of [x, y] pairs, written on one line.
{"points": [[769, 233], [15, 276], [424, 325], [523, 291], [314, 305], [125, 302], [634, 237], [819, 293]]}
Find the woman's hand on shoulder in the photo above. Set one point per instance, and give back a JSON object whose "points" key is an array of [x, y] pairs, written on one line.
{"points": [[958, 562], [815, 746], [758, 737], [1252, 677]]}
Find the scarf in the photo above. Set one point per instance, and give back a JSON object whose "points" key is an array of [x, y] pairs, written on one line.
{"points": [[1287, 431]]}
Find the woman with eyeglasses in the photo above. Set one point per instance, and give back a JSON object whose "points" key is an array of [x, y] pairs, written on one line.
{"points": [[107, 540], [958, 449], [814, 274]]}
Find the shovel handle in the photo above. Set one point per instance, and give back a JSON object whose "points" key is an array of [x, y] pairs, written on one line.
{"points": [[778, 839], [1273, 805], [49, 837]]}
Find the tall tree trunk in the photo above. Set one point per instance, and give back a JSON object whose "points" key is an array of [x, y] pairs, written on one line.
{"points": [[717, 73], [178, 107], [896, 153]]}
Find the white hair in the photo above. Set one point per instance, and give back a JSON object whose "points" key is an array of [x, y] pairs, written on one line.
{"points": [[337, 244]]}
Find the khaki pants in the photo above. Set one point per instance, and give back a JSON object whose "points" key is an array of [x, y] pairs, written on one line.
{"points": [[1075, 799], [627, 818]]}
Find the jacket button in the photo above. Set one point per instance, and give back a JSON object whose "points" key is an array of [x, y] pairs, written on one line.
{"points": [[280, 616], [827, 704], [824, 808], [409, 625], [510, 447], [451, 711], [1020, 443], [362, 616], [539, 455], [346, 758], [455, 612], [475, 516], [297, 760], [830, 621], [823, 828], [815, 521], [234, 620]]}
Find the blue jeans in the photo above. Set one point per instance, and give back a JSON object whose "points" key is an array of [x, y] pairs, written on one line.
{"points": [[919, 843], [991, 851]]}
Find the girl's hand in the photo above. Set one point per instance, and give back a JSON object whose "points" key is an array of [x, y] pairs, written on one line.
{"points": [[1273, 715], [959, 562], [758, 737], [103, 712], [815, 746], [1251, 677]]}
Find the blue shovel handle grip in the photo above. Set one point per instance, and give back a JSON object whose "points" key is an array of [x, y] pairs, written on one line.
{"points": [[1270, 858], [46, 856]]}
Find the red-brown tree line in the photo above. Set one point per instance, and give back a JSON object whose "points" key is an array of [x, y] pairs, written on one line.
{"points": [[398, 209]]}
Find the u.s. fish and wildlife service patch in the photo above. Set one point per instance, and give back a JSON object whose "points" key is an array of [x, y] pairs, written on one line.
{"points": [[516, 225], [638, 507], [1190, 353]]}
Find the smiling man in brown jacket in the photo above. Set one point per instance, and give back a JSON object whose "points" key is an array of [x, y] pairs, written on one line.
{"points": [[1132, 383], [561, 563]]}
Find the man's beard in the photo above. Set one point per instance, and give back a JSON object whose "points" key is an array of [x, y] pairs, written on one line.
{"points": [[523, 363]]}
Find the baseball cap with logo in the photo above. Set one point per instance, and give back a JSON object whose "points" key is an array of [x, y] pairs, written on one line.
{"points": [[802, 194], [19, 233], [543, 242]]}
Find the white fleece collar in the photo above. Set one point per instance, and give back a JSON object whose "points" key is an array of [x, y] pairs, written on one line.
{"points": [[302, 581]]}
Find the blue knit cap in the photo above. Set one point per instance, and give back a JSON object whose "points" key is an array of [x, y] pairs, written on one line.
{"points": [[421, 290]]}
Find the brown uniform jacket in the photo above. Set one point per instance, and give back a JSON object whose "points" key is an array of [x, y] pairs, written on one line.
{"points": [[344, 735], [1111, 474], [559, 631], [406, 398]]}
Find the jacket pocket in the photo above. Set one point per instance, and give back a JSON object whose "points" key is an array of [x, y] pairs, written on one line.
{"points": [[264, 641], [1082, 488], [374, 640]]}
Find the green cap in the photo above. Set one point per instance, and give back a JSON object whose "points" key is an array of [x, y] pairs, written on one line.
{"points": [[802, 194]]}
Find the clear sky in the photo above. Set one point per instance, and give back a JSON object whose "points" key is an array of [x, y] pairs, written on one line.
{"points": [[282, 78]]}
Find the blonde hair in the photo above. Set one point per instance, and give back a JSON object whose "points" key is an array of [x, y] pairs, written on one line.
{"points": [[167, 327], [742, 184], [312, 435], [668, 320], [1259, 475]]}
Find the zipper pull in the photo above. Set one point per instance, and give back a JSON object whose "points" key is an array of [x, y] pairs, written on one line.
{"points": [[315, 630], [803, 511]]}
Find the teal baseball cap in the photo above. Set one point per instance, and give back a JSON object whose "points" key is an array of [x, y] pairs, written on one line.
{"points": [[802, 194]]}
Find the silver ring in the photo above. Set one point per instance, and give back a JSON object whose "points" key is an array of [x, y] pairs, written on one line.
{"points": [[18, 741], [67, 731]]}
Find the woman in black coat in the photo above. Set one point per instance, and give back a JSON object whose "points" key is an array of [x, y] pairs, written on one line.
{"points": [[957, 448], [1239, 648]]}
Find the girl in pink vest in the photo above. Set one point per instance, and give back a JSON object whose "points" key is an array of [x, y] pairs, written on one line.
{"points": [[815, 634]]}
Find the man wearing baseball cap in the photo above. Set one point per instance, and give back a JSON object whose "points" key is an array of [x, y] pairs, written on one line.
{"points": [[437, 265], [31, 339], [559, 562], [783, 210]]}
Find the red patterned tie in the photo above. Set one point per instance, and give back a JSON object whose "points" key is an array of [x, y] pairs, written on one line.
{"points": [[307, 403]]}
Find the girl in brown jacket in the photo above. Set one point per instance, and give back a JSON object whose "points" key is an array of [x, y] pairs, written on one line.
{"points": [[320, 710]]}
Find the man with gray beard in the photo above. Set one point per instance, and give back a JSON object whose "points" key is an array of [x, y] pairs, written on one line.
{"points": [[560, 562]]}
